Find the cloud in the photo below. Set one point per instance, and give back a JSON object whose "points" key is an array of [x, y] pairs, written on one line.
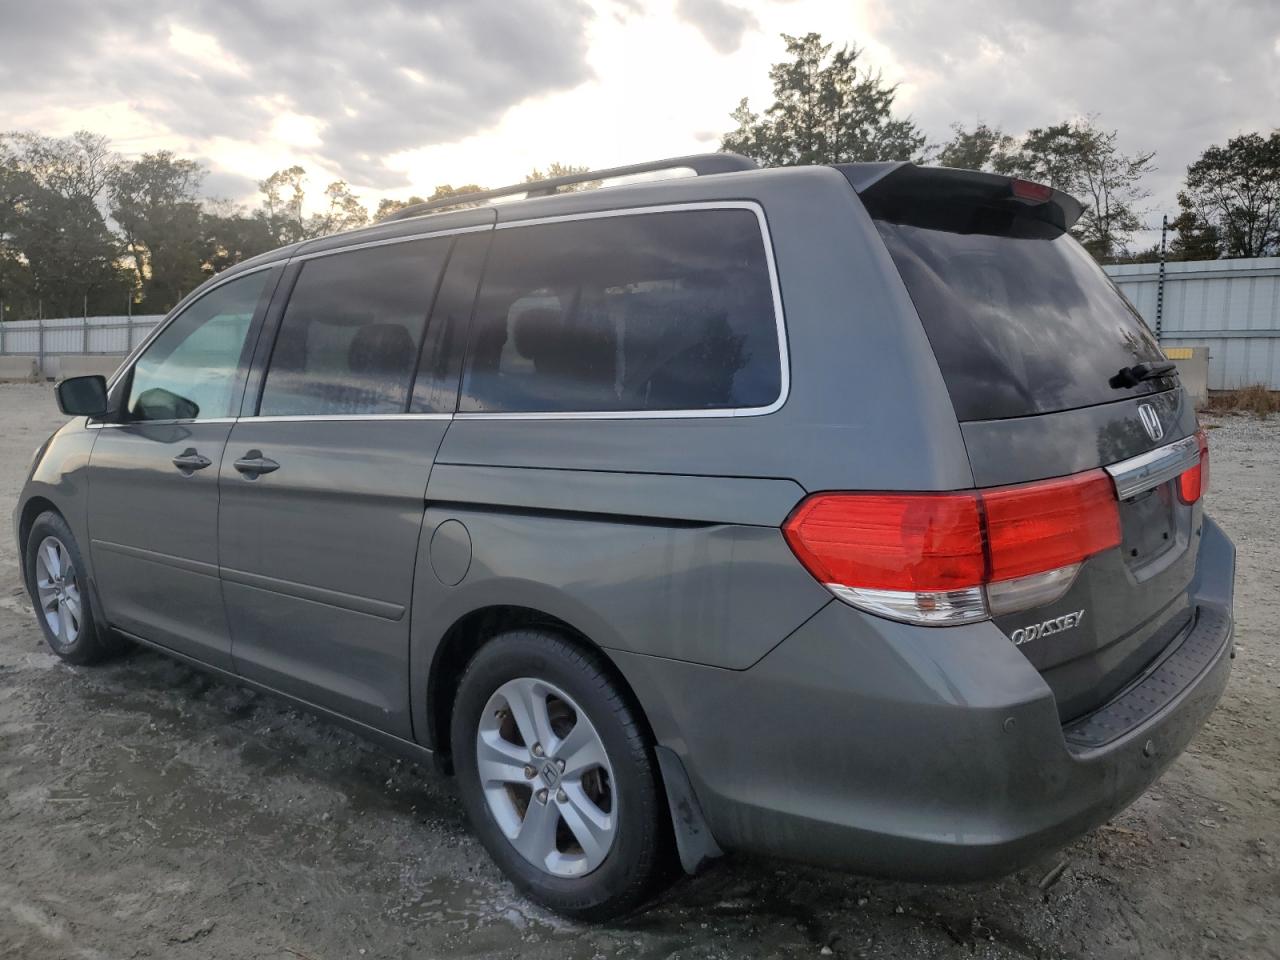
{"points": [[721, 24], [378, 77], [1173, 78], [227, 185]]}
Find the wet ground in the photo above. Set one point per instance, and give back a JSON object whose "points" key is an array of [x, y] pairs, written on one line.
{"points": [[149, 811]]}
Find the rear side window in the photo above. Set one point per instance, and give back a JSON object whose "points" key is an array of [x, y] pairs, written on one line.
{"points": [[1020, 317], [638, 312], [351, 333]]}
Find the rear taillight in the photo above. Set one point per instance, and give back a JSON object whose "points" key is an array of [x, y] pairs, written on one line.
{"points": [[1194, 483], [955, 557]]}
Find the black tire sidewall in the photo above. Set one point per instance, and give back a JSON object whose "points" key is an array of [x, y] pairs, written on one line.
{"points": [[633, 861], [87, 647]]}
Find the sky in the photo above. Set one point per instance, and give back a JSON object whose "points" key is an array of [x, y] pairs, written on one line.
{"points": [[398, 96]]}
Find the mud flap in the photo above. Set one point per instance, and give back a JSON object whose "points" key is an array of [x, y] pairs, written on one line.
{"points": [[694, 841]]}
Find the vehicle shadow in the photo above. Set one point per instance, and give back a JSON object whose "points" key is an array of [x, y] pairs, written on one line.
{"points": [[288, 777]]}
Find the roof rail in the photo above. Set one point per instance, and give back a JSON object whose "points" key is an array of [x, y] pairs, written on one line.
{"points": [[702, 164]]}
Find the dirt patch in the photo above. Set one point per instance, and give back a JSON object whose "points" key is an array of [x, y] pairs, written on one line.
{"points": [[149, 811]]}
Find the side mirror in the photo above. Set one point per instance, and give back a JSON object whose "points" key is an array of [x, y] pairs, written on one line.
{"points": [[82, 396]]}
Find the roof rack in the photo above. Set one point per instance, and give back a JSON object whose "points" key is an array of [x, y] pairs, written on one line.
{"points": [[702, 164]]}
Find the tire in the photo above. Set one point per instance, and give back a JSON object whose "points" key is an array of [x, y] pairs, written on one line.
{"points": [[598, 782], [58, 585]]}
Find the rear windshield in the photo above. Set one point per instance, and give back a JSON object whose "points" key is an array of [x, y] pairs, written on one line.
{"points": [[1021, 319]]}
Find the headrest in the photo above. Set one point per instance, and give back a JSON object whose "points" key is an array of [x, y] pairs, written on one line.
{"points": [[381, 348]]}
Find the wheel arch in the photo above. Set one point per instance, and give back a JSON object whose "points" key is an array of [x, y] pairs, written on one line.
{"points": [[468, 635], [464, 639]]}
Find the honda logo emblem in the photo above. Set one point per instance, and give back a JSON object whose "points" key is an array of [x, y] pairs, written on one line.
{"points": [[1151, 420]]}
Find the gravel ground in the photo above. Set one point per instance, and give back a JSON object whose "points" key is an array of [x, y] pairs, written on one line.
{"points": [[149, 811]]}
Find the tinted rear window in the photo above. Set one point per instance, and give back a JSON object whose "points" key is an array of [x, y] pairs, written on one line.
{"points": [[654, 311], [348, 343], [1021, 319]]}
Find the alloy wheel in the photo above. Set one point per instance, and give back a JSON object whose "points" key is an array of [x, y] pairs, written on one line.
{"points": [[546, 777], [58, 591]]}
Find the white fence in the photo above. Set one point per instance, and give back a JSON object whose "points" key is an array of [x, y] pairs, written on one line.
{"points": [[62, 336], [1230, 306]]}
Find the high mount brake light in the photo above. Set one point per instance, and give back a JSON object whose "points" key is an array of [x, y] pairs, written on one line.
{"points": [[940, 558], [1030, 191], [1194, 483]]}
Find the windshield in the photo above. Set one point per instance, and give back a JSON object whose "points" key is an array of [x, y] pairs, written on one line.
{"points": [[1021, 318]]}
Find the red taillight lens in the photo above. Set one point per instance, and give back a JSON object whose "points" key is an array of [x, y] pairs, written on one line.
{"points": [[930, 557], [1194, 483], [1034, 192], [889, 541], [1042, 526]]}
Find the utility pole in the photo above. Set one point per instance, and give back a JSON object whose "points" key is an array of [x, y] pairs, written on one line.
{"points": [[1164, 230]]}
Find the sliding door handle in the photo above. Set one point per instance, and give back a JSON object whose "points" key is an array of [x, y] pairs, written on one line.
{"points": [[253, 465]]}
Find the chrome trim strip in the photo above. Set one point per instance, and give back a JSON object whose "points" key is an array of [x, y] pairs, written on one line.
{"points": [[156, 423], [1145, 471], [341, 417], [127, 364], [784, 357], [386, 241], [319, 417], [720, 413]]}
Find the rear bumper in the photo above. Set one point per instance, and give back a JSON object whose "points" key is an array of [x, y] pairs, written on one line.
{"points": [[917, 753]]}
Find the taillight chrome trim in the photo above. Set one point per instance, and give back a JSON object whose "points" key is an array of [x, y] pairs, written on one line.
{"points": [[1148, 470]]}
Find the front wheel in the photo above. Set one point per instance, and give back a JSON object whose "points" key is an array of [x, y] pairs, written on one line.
{"points": [[59, 591], [557, 775]]}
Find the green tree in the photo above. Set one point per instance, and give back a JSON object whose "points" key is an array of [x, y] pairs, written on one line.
{"points": [[17, 186], [1193, 238], [282, 196], [1231, 198], [228, 235], [557, 169], [982, 148], [446, 191], [1084, 160], [388, 206], [154, 201], [56, 244], [345, 211], [826, 109]]}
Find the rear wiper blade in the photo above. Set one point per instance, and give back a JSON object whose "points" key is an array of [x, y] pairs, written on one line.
{"points": [[1132, 376]]}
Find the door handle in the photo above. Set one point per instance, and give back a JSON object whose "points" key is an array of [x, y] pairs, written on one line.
{"points": [[189, 461], [253, 464]]}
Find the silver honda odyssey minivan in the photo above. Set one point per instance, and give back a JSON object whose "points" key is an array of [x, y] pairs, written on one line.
{"points": [[840, 513]]}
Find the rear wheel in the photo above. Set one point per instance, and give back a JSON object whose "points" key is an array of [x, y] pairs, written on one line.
{"points": [[557, 775], [56, 575]]}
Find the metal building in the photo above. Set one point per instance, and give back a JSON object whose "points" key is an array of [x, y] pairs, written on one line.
{"points": [[1230, 306]]}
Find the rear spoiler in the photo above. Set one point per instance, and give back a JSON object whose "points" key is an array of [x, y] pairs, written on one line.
{"points": [[901, 192]]}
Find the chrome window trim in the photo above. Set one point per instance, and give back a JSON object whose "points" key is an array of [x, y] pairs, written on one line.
{"points": [[784, 356], [156, 423], [342, 417], [177, 311], [1148, 470], [338, 417], [387, 241]]}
